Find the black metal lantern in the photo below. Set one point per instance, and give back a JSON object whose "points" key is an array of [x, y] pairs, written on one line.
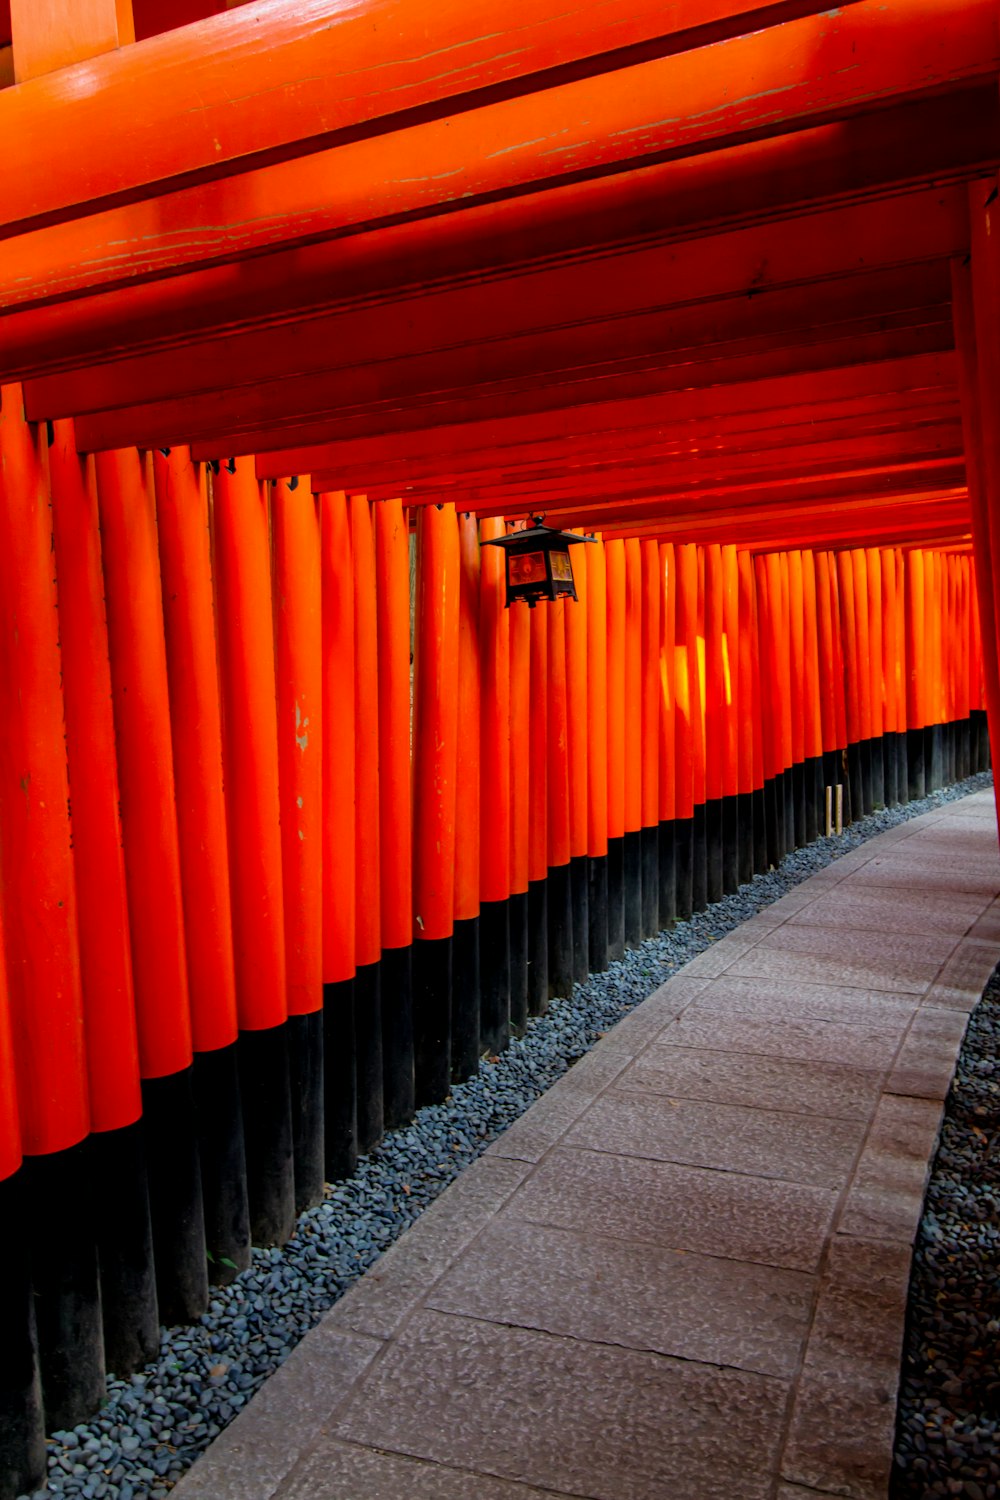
{"points": [[538, 562]]}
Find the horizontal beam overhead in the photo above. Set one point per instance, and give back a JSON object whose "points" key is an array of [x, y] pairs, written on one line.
{"points": [[821, 68], [745, 271]]}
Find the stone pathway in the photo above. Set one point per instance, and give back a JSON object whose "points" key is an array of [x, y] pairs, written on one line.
{"points": [[682, 1274]]}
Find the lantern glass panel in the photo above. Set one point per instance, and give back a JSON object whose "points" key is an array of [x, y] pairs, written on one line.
{"points": [[562, 568], [526, 567]]}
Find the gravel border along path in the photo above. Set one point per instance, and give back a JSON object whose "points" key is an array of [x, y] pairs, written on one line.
{"points": [[157, 1423]]}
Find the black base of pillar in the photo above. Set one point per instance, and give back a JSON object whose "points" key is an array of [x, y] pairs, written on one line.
{"points": [[632, 851], [788, 810], [759, 831], [772, 826], [963, 750], [397, 1037], [744, 837], [465, 1047], [649, 843], [981, 738], [730, 845], [538, 946], [560, 932], [616, 899], [432, 1019], [216, 1083], [494, 976], [305, 1090], [916, 764], [855, 777], [579, 886], [368, 1055], [597, 911], [175, 1196], [699, 859], [668, 875], [799, 799], [713, 849], [902, 775], [684, 866], [62, 1247], [936, 751], [815, 798], [125, 1247], [877, 773], [267, 1133], [339, 1082], [22, 1424], [517, 921], [889, 770]]}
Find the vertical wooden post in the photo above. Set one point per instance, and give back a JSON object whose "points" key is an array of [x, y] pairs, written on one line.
{"points": [[614, 554], [538, 832], [43, 960], [915, 659], [559, 893], [597, 754], [685, 669], [392, 590], [520, 811], [812, 706], [715, 724], [667, 789], [435, 757], [339, 834], [298, 621], [119, 1188], [649, 707], [575, 623], [368, 918], [749, 794], [797, 690], [783, 618], [699, 864], [250, 758], [47, 35], [494, 815], [633, 744], [465, 958], [730, 721], [771, 716]]}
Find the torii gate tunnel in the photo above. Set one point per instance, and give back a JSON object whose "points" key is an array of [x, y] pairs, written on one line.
{"points": [[301, 304]]}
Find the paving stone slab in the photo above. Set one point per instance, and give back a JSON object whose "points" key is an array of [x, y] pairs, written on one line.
{"points": [[877, 960], [926, 1061], [548, 1119], [809, 1088], [903, 872], [336, 1470], [771, 1000], [590, 1419], [809, 1040], [906, 976], [842, 1434], [892, 911], [722, 953], [590, 1286], [764, 1143], [685, 1208], [885, 1198], [395, 1284], [961, 980], [248, 1461]]}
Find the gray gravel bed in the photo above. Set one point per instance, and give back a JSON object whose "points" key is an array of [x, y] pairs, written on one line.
{"points": [[948, 1417], [155, 1424]]}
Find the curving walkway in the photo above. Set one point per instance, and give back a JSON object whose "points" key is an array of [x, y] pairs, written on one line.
{"points": [[683, 1272]]}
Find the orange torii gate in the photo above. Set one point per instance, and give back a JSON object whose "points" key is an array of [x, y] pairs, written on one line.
{"points": [[296, 819]]}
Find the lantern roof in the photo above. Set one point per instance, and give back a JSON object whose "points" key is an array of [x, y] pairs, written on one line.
{"points": [[528, 540]]}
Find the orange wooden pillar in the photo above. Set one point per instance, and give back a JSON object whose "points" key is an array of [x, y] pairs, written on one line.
{"points": [[298, 637], [666, 700], [813, 708], [152, 864], [577, 708], [750, 786], [338, 835], [494, 794], [538, 831], [827, 681], [876, 680], [22, 1430], [935, 605], [633, 744], [852, 683], [250, 757], [519, 627], [770, 707], [649, 707], [43, 963], [392, 591], [435, 755], [121, 1202], [715, 719], [614, 554], [797, 691], [731, 830], [914, 602], [783, 645], [465, 958], [839, 681], [699, 866], [685, 703], [196, 726], [890, 724], [597, 755], [560, 899], [368, 879]]}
